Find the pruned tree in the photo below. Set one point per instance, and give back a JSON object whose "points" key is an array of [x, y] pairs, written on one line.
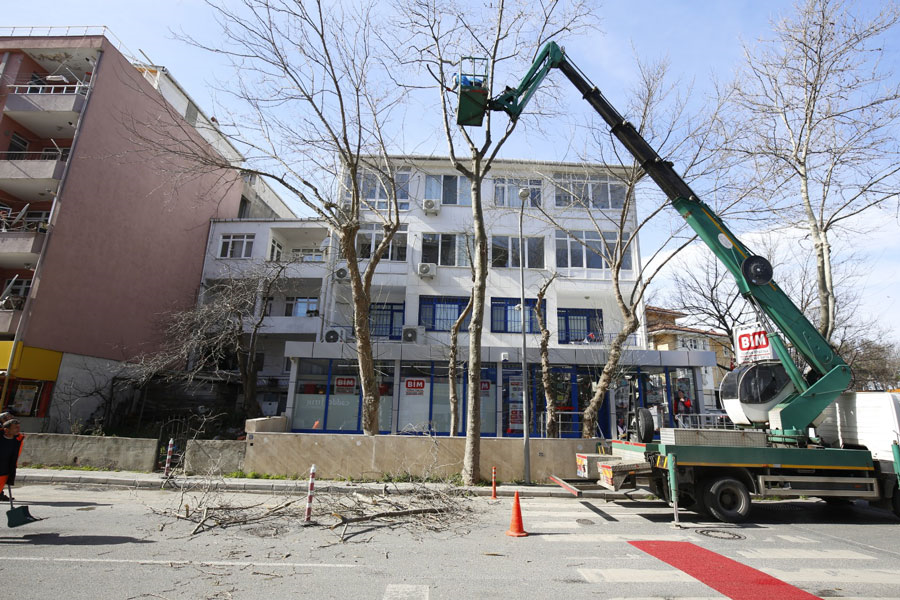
{"points": [[817, 118], [220, 334], [875, 364], [505, 34], [309, 106], [546, 373], [661, 114]]}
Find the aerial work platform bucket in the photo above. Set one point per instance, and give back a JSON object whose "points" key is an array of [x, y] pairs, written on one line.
{"points": [[472, 91]]}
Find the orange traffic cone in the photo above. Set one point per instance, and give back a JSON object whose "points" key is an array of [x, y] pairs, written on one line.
{"points": [[515, 525]]}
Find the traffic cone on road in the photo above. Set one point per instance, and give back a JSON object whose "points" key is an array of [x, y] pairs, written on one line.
{"points": [[515, 525]]}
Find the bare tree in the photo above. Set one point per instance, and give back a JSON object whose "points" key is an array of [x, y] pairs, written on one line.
{"points": [[506, 33], [546, 374], [661, 115], [818, 117], [310, 105], [220, 334]]}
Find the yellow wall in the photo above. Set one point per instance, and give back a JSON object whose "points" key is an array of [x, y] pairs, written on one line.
{"points": [[31, 363]]}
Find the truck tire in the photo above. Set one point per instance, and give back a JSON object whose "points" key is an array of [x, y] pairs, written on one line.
{"points": [[643, 425], [727, 499]]}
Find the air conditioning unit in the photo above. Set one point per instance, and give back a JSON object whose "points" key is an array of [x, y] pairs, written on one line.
{"points": [[431, 207], [333, 336], [413, 335], [342, 275], [427, 270]]}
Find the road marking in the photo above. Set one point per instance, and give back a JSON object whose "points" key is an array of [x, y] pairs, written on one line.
{"points": [[796, 539], [788, 553], [610, 538], [837, 575], [553, 525], [634, 576], [203, 563], [729, 577], [406, 592]]}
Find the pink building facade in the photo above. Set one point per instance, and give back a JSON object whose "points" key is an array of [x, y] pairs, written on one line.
{"points": [[98, 237]]}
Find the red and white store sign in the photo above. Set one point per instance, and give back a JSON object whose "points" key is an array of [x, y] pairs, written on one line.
{"points": [[345, 385], [751, 343]]}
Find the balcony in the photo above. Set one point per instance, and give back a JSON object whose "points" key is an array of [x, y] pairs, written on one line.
{"points": [[32, 176], [292, 325], [10, 314], [48, 111], [21, 244]]}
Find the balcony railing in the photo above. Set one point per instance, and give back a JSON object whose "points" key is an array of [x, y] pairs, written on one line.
{"points": [[67, 31], [48, 155], [604, 339], [6, 225], [56, 88]]}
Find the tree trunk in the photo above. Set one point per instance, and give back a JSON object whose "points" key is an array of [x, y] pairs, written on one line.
{"points": [[546, 379], [589, 420], [471, 469], [454, 348]]}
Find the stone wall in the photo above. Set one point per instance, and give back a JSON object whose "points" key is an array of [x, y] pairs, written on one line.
{"points": [[214, 457], [110, 453]]}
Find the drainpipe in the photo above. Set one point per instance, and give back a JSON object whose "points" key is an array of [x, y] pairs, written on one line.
{"points": [[23, 322]]}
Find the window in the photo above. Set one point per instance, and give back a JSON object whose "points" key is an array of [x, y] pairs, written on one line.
{"points": [[386, 320], [447, 249], [236, 245], [592, 191], [369, 237], [296, 306], [507, 318], [308, 254], [17, 147], [505, 252], [373, 190], [448, 189], [20, 287], [438, 313], [506, 191], [579, 325], [593, 253], [276, 251]]}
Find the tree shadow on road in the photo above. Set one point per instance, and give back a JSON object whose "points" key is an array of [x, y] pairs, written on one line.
{"points": [[55, 539]]}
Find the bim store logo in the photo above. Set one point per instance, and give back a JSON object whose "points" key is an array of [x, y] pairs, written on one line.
{"points": [[415, 384], [755, 340]]}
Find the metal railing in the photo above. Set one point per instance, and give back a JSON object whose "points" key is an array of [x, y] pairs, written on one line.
{"points": [[49, 88], [6, 224], [54, 155], [67, 31], [568, 424], [603, 339], [703, 421]]}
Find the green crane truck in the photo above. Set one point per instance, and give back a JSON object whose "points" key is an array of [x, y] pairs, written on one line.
{"points": [[798, 434]]}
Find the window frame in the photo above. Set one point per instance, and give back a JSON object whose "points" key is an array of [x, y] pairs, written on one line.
{"points": [[276, 250], [509, 304], [396, 310], [292, 302], [593, 187], [371, 182], [246, 241], [375, 232], [564, 335], [459, 199], [460, 242], [512, 252], [432, 302], [586, 257], [510, 186]]}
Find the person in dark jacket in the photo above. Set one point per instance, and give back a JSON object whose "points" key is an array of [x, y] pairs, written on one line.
{"points": [[10, 448]]}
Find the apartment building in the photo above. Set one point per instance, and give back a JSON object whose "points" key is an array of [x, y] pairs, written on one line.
{"points": [[423, 282], [96, 238], [664, 333]]}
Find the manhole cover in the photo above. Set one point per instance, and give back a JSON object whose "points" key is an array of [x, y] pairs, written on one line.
{"points": [[720, 534]]}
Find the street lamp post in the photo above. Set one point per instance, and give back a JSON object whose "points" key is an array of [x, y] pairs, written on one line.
{"points": [[524, 195]]}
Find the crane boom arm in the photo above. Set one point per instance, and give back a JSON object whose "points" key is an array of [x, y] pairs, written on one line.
{"points": [[833, 376]]}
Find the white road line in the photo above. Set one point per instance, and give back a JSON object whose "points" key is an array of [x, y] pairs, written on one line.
{"points": [[635, 576], [836, 575], [612, 538], [406, 592], [203, 563], [554, 525], [788, 553], [796, 539]]}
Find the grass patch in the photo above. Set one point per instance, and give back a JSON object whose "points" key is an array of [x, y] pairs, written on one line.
{"points": [[255, 475], [66, 467]]}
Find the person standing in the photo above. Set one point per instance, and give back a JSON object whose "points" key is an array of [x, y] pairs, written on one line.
{"points": [[10, 448]]}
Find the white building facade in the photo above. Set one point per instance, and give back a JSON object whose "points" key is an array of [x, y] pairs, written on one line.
{"points": [[423, 283]]}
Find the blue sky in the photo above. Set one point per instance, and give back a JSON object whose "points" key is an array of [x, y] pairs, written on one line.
{"points": [[700, 37]]}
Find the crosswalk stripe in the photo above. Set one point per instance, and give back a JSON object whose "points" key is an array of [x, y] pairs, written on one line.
{"points": [[782, 553], [553, 525], [634, 576], [405, 592], [836, 575], [796, 539], [612, 538]]}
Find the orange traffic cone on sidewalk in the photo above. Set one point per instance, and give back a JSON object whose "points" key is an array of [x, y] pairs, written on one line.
{"points": [[515, 525]]}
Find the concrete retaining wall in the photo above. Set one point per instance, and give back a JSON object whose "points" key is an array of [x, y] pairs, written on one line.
{"points": [[370, 457], [111, 453], [214, 457]]}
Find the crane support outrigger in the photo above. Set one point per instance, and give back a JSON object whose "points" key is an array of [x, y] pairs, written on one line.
{"points": [[716, 471]]}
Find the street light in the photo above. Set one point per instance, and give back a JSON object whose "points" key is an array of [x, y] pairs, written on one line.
{"points": [[524, 194]]}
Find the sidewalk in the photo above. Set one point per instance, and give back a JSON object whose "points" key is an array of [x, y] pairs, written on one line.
{"points": [[132, 479]]}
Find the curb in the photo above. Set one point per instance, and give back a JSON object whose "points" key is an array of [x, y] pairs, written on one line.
{"points": [[155, 481]]}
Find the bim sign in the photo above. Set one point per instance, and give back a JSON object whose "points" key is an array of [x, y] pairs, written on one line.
{"points": [[752, 344], [753, 341], [415, 384]]}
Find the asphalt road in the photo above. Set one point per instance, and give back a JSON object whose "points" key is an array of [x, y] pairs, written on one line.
{"points": [[98, 543]]}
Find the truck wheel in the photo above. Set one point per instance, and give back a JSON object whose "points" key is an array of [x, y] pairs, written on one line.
{"points": [[643, 425], [727, 499]]}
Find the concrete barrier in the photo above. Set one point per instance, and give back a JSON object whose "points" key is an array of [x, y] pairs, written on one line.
{"points": [[339, 456], [266, 424], [214, 457], [110, 453]]}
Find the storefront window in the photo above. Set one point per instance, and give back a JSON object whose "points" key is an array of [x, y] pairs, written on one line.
{"points": [[440, 409], [384, 374], [488, 399], [414, 412], [344, 399], [309, 396]]}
